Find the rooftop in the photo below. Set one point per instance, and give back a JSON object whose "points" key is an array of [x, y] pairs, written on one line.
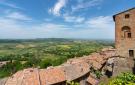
{"points": [[52, 75], [122, 12], [74, 68], [92, 80]]}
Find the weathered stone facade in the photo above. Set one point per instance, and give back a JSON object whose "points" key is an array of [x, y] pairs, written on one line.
{"points": [[122, 65], [125, 33], [117, 65]]}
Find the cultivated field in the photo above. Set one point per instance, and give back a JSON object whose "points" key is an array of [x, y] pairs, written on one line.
{"points": [[19, 54]]}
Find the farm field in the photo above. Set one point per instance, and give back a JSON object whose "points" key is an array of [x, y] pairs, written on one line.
{"points": [[41, 53]]}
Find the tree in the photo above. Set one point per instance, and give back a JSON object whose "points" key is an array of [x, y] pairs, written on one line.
{"points": [[45, 63]]}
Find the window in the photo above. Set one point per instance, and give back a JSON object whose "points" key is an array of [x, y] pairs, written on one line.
{"points": [[126, 32], [129, 35], [127, 16], [131, 53]]}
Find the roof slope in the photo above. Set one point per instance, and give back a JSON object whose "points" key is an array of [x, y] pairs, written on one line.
{"points": [[31, 77], [92, 80], [52, 76], [122, 12], [16, 79], [75, 71]]}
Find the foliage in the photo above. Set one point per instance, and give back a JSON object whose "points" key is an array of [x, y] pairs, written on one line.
{"points": [[46, 63], [72, 83], [123, 79], [97, 73], [10, 68], [43, 52]]}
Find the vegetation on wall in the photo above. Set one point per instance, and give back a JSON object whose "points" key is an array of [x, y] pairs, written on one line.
{"points": [[72, 83], [126, 78], [123, 79]]}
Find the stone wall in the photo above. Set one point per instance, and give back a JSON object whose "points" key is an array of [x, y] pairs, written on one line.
{"points": [[122, 44], [117, 65], [3, 81], [122, 65]]}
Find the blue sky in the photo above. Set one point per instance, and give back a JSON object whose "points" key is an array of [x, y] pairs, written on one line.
{"points": [[88, 19]]}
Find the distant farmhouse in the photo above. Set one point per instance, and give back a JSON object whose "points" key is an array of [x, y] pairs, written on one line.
{"points": [[125, 33]]}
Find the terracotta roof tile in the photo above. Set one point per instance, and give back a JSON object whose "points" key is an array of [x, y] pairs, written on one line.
{"points": [[16, 79], [92, 80], [31, 77], [96, 65], [75, 71], [52, 76], [26, 77]]}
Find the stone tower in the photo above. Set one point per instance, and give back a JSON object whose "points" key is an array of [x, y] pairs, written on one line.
{"points": [[125, 33]]}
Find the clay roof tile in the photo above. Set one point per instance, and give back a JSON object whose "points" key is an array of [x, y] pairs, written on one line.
{"points": [[92, 80], [52, 76]]}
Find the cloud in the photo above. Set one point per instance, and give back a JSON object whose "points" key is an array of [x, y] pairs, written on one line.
{"points": [[85, 4], [11, 28], [10, 5], [101, 27], [18, 16], [73, 19], [58, 6], [100, 22]]}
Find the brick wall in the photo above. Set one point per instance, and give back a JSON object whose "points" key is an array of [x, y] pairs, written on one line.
{"points": [[122, 44]]}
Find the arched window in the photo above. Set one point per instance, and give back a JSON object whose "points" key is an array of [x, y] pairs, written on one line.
{"points": [[126, 32]]}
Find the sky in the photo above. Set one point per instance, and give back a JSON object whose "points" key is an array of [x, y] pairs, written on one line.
{"points": [[86, 19]]}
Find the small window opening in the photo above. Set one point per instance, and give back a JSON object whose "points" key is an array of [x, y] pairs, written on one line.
{"points": [[129, 35], [131, 53], [127, 16], [126, 32]]}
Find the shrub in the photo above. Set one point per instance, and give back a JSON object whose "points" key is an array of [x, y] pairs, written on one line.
{"points": [[72, 83], [123, 79]]}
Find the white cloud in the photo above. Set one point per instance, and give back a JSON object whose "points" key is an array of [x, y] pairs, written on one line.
{"points": [[17, 16], [11, 28], [85, 4], [101, 27], [98, 27], [57, 8], [10, 5], [100, 22], [73, 19]]}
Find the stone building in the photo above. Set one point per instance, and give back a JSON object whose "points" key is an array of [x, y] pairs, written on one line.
{"points": [[125, 33]]}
